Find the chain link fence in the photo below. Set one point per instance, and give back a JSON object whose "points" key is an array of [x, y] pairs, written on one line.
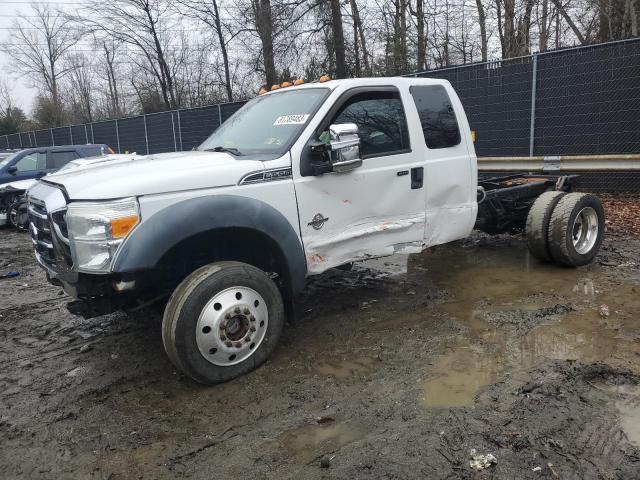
{"points": [[151, 133], [582, 100]]}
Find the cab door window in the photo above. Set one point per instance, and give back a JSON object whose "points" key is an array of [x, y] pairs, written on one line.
{"points": [[437, 117], [382, 125], [32, 162]]}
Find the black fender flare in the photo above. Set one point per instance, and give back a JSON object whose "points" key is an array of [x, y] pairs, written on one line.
{"points": [[150, 240]]}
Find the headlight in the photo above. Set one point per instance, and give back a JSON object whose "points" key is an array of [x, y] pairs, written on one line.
{"points": [[96, 230]]}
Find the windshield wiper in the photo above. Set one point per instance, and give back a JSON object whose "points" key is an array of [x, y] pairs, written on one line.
{"points": [[231, 150]]}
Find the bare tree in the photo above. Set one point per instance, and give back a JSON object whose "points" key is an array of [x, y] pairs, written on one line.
{"points": [[37, 48], [208, 12], [113, 105], [82, 88], [141, 24], [337, 35], [482, 20]]}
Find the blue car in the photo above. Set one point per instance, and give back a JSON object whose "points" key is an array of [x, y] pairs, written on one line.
{"points": [[37, 162]]}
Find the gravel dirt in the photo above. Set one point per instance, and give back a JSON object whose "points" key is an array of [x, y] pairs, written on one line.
{"points": [[396, 369]]}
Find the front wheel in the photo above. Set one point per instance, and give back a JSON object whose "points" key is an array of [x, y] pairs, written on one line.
{"points": [[222, 321]]}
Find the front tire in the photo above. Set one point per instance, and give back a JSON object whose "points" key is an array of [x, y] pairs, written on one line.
{"points": [[222, 321], [576, 229]]}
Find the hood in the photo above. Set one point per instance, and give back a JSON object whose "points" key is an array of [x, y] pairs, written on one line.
{"points": [[19, 185], [135, 175]]}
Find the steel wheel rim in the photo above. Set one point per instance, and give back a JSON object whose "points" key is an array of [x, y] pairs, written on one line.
{"points": [[585, 230], [13, 216], [231, 326]]}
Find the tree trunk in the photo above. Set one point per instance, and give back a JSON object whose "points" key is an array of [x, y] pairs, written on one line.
{"points": [[113, 86], [544, 27], [482, 19], [571, 23], [223, 51], [264, 25], [356, 49], [338, 38], [422, 40]]}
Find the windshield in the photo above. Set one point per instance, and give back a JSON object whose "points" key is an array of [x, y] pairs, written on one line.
{"points": [[7, 160], [267, 124]]}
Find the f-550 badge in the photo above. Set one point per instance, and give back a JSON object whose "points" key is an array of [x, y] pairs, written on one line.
{"points": [[318, 221]]}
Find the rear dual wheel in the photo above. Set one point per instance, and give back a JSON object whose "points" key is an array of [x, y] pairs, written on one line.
{"points": [[565, 228], [222, 321]]}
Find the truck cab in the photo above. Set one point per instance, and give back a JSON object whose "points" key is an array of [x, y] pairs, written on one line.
{"points": [[299, 180]]}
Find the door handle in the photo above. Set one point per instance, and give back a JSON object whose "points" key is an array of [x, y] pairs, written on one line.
{"points": [[417, 177]]}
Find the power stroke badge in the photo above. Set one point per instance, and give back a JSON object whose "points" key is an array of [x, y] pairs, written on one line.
{"points": [[318, 221]]}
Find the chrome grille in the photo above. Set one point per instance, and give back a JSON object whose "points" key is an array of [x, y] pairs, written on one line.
{"points": [[49, 235]]}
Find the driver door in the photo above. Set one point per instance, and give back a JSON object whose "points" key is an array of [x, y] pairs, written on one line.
{"points": [[375, 209]]}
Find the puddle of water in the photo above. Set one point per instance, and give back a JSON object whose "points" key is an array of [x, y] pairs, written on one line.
{"points": [[459, 375], [628, 405], [508, 281], [310, 441], [345, 368]]}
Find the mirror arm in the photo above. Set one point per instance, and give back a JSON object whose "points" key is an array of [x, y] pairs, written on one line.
{"points": [[319, 162]]}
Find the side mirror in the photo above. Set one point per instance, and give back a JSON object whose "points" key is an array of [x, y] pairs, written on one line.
{"points": [[344, 147], [12, 170]]}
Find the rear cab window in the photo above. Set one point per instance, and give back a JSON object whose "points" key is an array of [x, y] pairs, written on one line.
{"points": [[61, 158], [437, 116]]}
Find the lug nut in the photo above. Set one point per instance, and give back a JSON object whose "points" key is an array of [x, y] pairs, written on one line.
{"points": [[246, 311], [221, 326], [253, 329], [223, 338], [247, 339], [238, 344], [227, 316], [228, 344], [237, 310], [252, 318]]}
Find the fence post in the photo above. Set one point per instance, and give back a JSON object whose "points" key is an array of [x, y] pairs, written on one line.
{"points": [[146, 137], [173, 127], [534, 82], [86, 134], [179, 130], [70, 134], [219, 115], [93, 137], [118, 136], [53, 140]]}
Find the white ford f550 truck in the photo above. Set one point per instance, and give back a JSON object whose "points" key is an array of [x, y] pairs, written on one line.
{"points": [[299, 180]]}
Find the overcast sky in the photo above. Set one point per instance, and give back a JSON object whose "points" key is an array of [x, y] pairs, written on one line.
{"points": [[9, 9]]}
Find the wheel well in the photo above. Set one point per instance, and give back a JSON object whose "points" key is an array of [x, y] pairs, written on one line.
{"points": [[230, 243]]}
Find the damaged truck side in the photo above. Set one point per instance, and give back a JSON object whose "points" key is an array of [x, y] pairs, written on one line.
{"points": [[299, 180]]}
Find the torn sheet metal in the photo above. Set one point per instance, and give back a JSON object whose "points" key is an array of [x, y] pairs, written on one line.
{"points": [[364, 241]]}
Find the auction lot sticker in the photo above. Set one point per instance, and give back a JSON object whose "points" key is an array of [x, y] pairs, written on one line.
{"points": [[291, 119]]}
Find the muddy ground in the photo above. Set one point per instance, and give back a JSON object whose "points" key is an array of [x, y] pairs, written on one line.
{"points": [[396, 369]]}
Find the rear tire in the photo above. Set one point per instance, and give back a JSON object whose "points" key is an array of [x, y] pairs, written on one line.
{"points": [[576, 229], [538, 224], [222, 321]]}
